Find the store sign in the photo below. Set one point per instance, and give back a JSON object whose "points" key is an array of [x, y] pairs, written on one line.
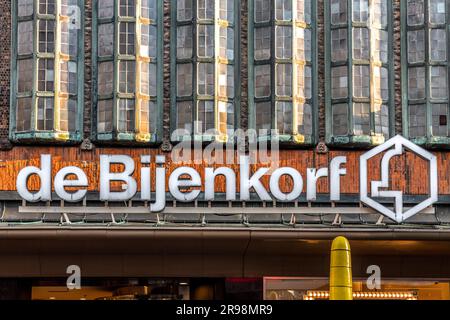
{"points": [[395, 147], [184, 183]]}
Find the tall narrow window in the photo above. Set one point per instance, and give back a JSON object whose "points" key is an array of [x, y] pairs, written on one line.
{"points": [[47, 85], [425, 76], [359, 72], [282, 73], [204, 50], [129, 70]]}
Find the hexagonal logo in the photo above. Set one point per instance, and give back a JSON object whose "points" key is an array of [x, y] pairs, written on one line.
{"points": [[395, 147]]}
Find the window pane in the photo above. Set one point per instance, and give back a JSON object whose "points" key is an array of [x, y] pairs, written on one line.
{"points": [[361, 81], [152, 79], [68, 77], [437, 11], [127, 30], [360, 10], [339, 45], [205, 40], [127, 70], [25, 37], [148, 9], [440, 120], [45, 114], [284, 80], [205, 79], [438, 44], [338, 11], [226, 10], [379, 12], [68, 115], [263, 113], [361, 119], [415, 12], [262, 10], [149, 41], [148, 117], [25, 8], [283, 41], [417, 120], [105, 78], [304, 81], [381, 83], [262, 81], [127, 8], [381, 119], [380, 45], [283, 9], [416, 83], [304, 10], [46, 36], [339, 82], [226, 43], [361, 47], [304, 119], [184, 10], [126, 115], [438, 79], [46, 75], [184, 80], [25, 75], [416, 46], [205, 117], [284, 117], [47, 6], [340, 119], [69, 40], [184, 42], [105, 115], [23, 114], [262, 43], [106, 39], [226, 117], [105, 9], [304, 45], [226, 81], [184, 116], [205, 9]]}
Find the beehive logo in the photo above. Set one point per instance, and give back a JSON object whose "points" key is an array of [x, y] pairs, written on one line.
{"points": [[395, 147]]}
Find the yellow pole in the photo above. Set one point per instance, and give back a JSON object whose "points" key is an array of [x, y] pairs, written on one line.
{"points": [[341, 287]]}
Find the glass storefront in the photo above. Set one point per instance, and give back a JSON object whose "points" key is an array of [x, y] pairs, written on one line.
{"points": [[277, 288]]}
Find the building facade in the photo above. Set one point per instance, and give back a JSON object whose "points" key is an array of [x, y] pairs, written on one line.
{"points": [[321, 82]]}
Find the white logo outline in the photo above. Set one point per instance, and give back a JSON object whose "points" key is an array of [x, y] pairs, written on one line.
{"points": [[399, 143]]}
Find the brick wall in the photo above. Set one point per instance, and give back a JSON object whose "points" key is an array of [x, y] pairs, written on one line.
{"points": [[5, 54]]}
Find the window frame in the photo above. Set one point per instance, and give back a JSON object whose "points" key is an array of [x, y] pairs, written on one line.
{"points": [[35, 135], [350, 139], [429, 140], [194, 61], [298, 139], [114, 136]]}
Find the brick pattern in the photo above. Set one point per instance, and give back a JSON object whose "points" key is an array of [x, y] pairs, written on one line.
{"points": [[244, 64], [167, 76], [5, 61], [321, 68], [87, 116], [5, 57], [397, 67]]}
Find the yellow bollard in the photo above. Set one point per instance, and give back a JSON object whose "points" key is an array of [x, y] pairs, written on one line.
{"points": [[341, 286]]}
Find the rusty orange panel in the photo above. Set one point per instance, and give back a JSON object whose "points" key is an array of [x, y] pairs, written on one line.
{"points": [[408, 173]]}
